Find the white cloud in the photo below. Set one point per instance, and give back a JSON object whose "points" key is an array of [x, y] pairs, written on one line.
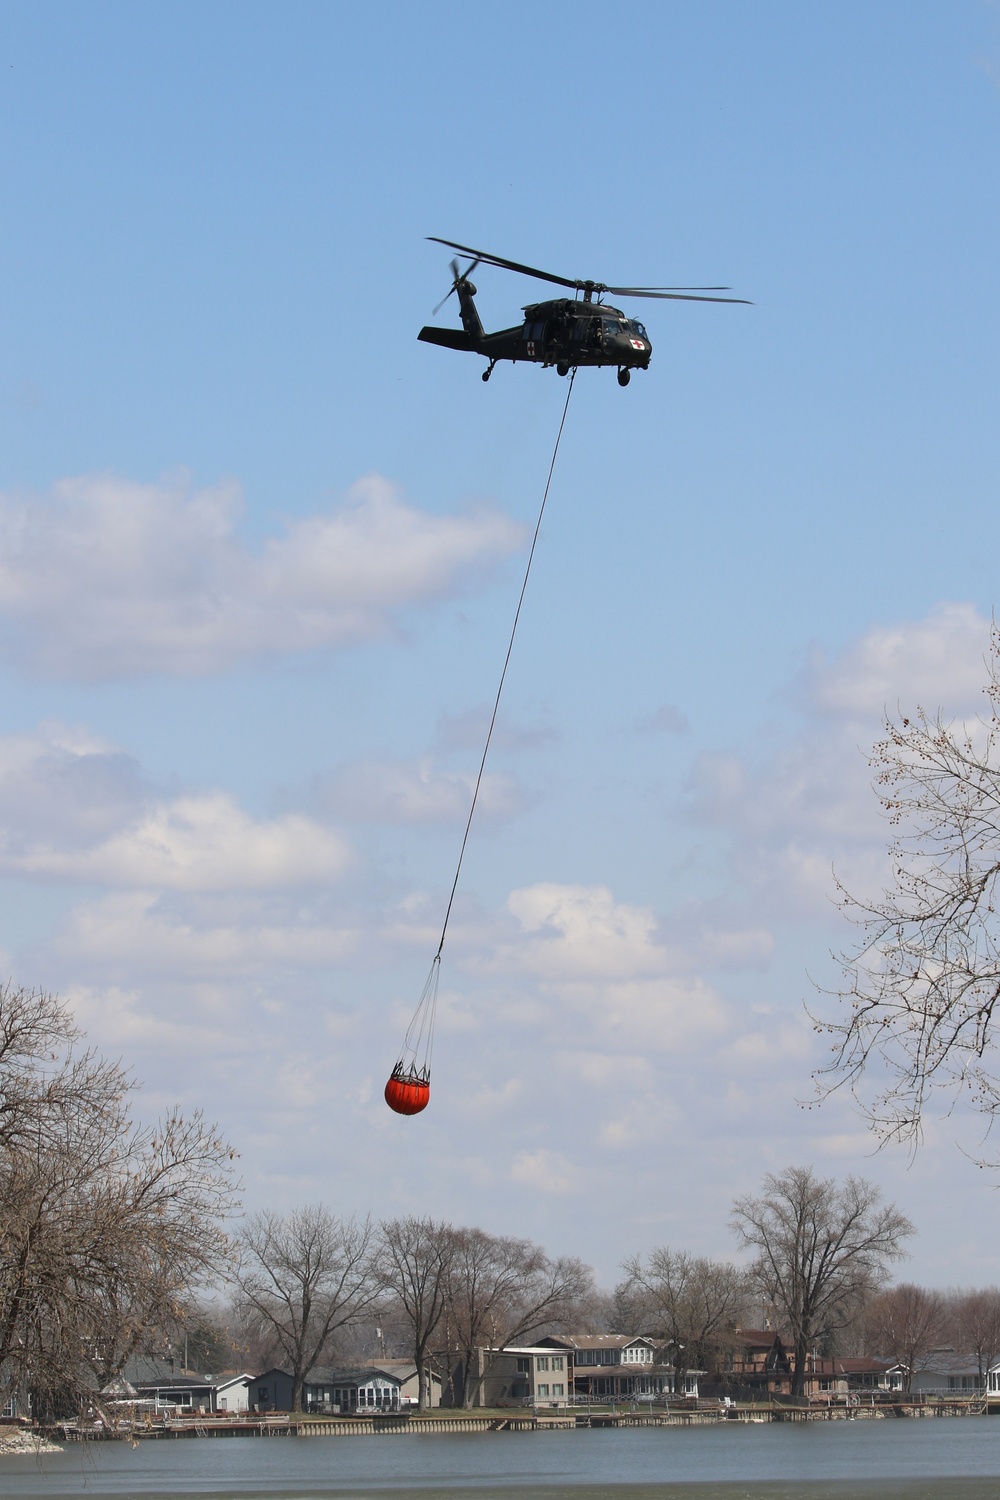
{"points": [[934, 662], [582, 932], [134, 931], [468, 730], [197, 843], [103, 577], [74, 809], [548, 1171], [809, 806], [603, 963], [403, 791], [64, 784]]}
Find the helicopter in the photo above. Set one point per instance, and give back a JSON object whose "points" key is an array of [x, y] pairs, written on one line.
{"points": [[567, 332]]}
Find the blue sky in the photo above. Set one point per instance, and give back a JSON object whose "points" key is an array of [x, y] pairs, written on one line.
{"points": [[261, 550]]}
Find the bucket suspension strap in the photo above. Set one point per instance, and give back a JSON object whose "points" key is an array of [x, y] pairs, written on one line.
{"points": [[506, 662], [411, 1075]]}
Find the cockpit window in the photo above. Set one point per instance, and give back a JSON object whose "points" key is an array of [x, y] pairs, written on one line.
{"points": [[638, 328]]}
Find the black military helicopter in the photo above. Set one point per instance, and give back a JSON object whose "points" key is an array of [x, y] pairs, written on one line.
{"points": [[566, 332]]}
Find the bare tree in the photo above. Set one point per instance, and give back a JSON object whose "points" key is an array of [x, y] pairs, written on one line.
{"points": [[106, 1227], [923, 982], [821, 1249], [695, 1303], [904, 1324], [502, 1291], [975, 1317], [414, 1257], [303, 1276], [594, 1312]]}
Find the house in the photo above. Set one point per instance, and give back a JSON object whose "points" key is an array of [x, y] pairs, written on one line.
{"points": [[761, 1363], [529, 1373], [389, 1385], [557, 1370], [232, 1393], [409, 1389], [162, 1386], [945, 1373], [623, 1367], [828, 1379]]}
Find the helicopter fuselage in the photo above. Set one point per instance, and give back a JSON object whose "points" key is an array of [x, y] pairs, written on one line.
{"points": [[564, 333]]}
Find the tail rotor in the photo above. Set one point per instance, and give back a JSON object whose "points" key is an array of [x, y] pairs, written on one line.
{"points": [[458, 276]]}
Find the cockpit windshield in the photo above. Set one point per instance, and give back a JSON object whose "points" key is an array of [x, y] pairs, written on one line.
{"points": [[638, 328]]}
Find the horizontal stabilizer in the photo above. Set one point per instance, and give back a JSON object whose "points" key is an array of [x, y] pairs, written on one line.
{"points": [[448, 338]]}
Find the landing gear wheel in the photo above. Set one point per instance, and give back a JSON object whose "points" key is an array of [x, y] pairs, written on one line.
{"points": [[624, 376], [562, 368], [487, 374]]}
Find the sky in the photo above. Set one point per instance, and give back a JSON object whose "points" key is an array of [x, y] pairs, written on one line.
{"points": [[260, 552]]}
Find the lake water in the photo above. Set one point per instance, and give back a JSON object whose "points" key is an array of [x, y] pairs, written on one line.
{"points": [[940, 1459]]}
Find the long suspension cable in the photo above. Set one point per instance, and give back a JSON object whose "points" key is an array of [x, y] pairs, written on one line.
{"points": [[506, 663]]}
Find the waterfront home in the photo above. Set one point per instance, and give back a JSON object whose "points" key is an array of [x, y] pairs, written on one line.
{"points": [[16, 1406], [162, 1386], [762, 1365], [945, 1373], [563, 1368], [521, 1375], [624, 1367], [409, 1388], [850, 1377], [390, 1385]]}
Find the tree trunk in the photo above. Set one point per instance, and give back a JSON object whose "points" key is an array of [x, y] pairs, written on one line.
{"points": [[474, 1372], [799, 1370]]}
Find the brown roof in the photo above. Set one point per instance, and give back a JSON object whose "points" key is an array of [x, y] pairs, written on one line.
{"points": [[849, 1366], [755, 1338]]}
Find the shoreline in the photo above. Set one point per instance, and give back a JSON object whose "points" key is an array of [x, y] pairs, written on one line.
{"points": [[440, 1420]]}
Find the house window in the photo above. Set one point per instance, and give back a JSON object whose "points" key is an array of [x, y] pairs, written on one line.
{"points": [[558, 1390], [543, 1390], [524, 1367], [542, 1362], [558, 1362]]}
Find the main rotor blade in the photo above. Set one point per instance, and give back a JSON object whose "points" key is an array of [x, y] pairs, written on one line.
{"points": [[510, 265], [631, 291], [675, 295]]}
